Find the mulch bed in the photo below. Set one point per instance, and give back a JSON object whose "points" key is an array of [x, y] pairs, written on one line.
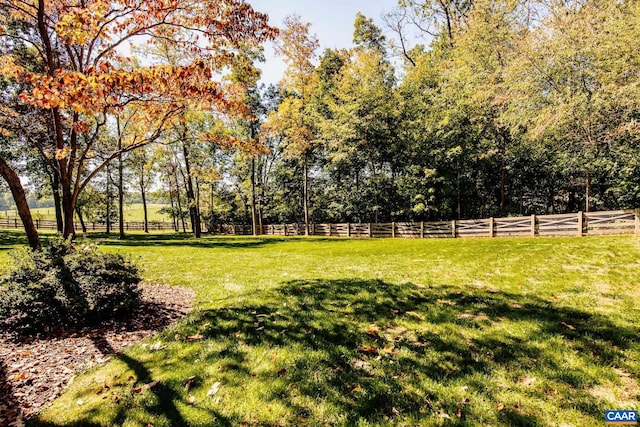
{"points": [[35, 371]]}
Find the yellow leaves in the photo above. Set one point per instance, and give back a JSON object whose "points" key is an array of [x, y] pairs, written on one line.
{"points": [[62, 153], [9, 69]]}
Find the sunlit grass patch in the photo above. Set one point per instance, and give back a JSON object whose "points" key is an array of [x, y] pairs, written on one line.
{"points": [[345, 332]]}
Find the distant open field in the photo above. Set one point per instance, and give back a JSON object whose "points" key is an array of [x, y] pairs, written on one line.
{"points": [[132, 212], [295, 331]]}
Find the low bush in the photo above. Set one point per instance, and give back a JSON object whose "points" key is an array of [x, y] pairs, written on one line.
{"points": [[63, 286]]}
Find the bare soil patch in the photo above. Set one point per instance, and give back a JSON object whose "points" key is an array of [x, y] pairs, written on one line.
{"points": [[34, 371]]}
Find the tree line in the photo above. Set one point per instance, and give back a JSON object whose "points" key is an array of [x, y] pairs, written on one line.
{"points": [[452, 109]]}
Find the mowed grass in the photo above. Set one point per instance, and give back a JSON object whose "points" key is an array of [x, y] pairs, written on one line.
{"points": [[133, 212], [377, 332]]}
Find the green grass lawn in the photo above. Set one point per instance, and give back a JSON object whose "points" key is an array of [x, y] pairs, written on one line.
{"points": [[377, 332], [132, 212]]}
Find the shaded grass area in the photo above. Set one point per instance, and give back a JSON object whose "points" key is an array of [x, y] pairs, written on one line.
{"points": [[370, 332], [354, 352]]}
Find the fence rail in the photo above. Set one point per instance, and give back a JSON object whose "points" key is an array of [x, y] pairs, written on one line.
{"points": [[575, 224]]}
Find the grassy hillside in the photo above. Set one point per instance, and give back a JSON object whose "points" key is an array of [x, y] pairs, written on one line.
{"points": [[379, 332]]}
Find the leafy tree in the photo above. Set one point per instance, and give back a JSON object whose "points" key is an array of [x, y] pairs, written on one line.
{"points": [[298, 48], [82, 75]]}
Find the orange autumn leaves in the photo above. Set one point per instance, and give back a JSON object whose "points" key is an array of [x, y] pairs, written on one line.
{"points": [[109, 90], [88, 69]]}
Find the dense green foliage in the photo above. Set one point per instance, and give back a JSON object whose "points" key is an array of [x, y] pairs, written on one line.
{"points": [[515, 107], [468, 332], [63, 286], [510, 107]]}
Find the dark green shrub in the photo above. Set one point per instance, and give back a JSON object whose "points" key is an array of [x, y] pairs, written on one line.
{"points": [[66, 286]]}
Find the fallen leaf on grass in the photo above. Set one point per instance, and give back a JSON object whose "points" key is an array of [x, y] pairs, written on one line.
{"points": [[498, 406], [373, 330], [191, 338], [394, 411], [367, 349], [192, 399], [214, 389], [416, 315], [357, 389], [281, 372], [136, 390], [274, 356], [390, 350], [360, 364], [151, 385], [568, 326], [157, 346], [187, 382], [444, 415], [397, 330], [528, 380]]}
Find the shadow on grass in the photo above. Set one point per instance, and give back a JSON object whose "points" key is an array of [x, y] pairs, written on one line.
{"points": [[369, 351], [9, 239], [178, 239]]}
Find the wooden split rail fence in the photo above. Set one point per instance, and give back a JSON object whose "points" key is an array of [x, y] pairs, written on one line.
{"points": [[575, 224], [578, 224]]}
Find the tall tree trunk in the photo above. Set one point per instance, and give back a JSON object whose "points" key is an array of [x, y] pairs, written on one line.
{"points": [[108, 219], [588, 190], [81, 219], [503, 160], [211, 205], [55, 188], [19, 197], [143, 193], [305, 186], [254, 219], [68, 208], [120, 184], [174, 217], [184, 226], [458, 197], [194, 213], [198, 205]]}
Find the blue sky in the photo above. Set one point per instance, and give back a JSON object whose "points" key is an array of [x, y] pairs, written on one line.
{"points": [[331, 21]]}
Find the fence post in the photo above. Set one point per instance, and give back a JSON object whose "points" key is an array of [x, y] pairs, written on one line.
{"points": [[348, 229], [393, 230], [580, 223], [37, 224], [313, 229], [371, 229], [15, 223], [533, 225], [637, 218], [422, 229], [284, 227], [453, 228], [491, 227]]}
